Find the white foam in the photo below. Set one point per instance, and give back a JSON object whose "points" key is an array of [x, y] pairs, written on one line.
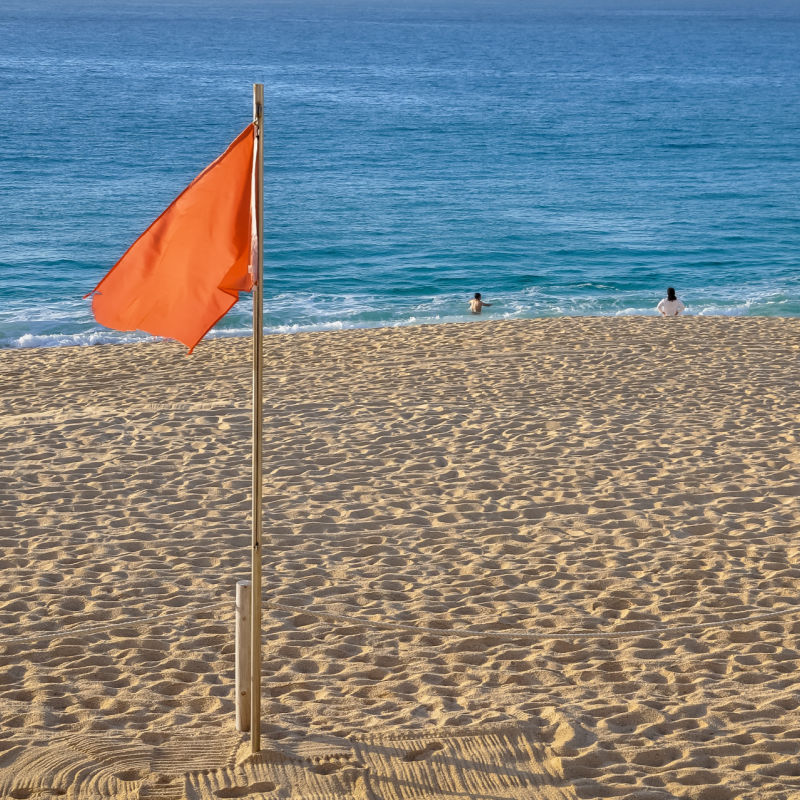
{"points": [[78, 339], [69, 323]]}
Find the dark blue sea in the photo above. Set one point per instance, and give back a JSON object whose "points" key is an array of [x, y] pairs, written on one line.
{"points": [[563, 158]]}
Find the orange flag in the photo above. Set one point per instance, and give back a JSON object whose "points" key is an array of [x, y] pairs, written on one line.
{"points": [[185, 272]]}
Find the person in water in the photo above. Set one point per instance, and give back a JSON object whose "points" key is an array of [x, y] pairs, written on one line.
{"points": [[670, 306], [476, 304]]}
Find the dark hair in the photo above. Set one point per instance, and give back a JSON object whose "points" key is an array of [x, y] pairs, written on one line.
{"points": [[477, 295], [671, 294]]}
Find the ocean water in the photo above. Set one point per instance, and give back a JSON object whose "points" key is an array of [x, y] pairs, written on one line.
{"points": [[560, 157]]}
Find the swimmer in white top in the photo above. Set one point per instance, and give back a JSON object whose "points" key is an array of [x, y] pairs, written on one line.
{"points": [[476, 304], [670, 306]]}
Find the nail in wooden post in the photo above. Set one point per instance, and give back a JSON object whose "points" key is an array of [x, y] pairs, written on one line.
{"points": [[243, 656]]}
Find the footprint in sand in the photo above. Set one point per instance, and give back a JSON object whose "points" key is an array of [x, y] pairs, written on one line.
{"points": [[262, 787], [424, 753], [131, 774], [330, 764]]}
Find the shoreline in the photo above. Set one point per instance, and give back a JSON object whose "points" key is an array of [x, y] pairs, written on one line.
{"points": [[241, 324], [598, 515], [217, 335]]}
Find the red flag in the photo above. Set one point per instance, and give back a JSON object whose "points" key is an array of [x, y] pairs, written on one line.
{"points": [[185, 272]]}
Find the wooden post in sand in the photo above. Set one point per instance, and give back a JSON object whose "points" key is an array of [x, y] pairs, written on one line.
{"points": [[258, 370], [243, 609]]}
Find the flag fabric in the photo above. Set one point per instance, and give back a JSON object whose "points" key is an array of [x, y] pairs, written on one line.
{"points": [[185, 272]]}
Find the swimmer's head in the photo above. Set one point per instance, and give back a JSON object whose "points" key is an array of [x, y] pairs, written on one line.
{"points": [[477, 295]]}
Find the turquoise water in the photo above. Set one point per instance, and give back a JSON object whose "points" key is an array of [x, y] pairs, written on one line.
{"points": [[561, 158]]}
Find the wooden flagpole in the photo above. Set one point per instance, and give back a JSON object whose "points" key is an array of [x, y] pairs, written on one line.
{"points": [[258, 386]]}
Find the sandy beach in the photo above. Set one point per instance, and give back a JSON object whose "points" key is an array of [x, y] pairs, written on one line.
{"points": [[518, 559]]}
